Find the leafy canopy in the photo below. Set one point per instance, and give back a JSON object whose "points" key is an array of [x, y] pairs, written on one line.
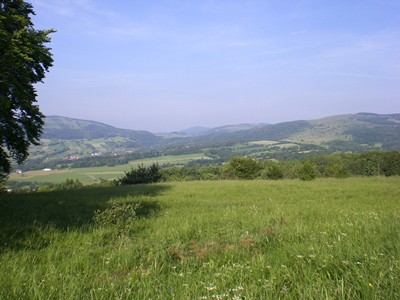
{"points": [[24, 60]]}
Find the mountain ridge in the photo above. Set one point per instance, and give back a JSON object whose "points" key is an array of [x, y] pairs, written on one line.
{"points": [[66, 138]]}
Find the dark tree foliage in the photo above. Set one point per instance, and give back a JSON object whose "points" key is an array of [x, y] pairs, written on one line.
{"points": [[24, 59]]}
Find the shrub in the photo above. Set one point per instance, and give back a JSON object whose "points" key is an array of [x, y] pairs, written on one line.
{"points": [[69, 184], [141, 174], [337, 171], [274, 172], [307, 171], [117, 213], [242, 168], [119, 216]]}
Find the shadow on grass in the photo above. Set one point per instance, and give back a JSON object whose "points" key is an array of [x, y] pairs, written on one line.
{"points": [[25, 215]]}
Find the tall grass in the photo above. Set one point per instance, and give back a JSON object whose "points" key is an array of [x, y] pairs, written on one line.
{"points": [[326, 239]]}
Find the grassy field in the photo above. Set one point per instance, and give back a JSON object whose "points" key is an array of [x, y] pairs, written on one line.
{"points": [[325, 239], [95, 174], [264, 143]]}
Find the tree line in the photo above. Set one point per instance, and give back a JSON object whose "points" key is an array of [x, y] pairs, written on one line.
{"points": [[372, 163], [341, 165]]}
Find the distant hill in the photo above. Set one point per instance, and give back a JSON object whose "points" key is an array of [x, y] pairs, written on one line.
{"points": [[197, 130], [74, 129], [71, 138], [364, 129], [341, 131], [67, 137], [234, 128]]}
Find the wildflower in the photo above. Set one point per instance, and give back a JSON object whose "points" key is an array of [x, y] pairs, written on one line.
{"points": [[218, 297], [370, 284]]}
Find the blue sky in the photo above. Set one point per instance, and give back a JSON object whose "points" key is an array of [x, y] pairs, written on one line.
{"points": [[166, 65]]}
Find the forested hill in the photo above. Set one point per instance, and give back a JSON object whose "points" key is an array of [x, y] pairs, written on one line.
{"points": [[66, 138], [341, 132], [63, 128]]}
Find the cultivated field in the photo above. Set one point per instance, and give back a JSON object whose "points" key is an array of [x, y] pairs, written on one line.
{"points": [[325, 239], [96, 174]]}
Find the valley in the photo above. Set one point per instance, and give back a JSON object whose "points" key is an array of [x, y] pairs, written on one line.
{"points": [[66, 140]]}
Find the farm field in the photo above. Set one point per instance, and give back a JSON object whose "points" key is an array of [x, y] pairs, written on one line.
{"points": [[95, 174], [287, 239]]}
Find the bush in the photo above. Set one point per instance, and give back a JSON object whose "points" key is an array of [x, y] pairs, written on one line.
{"points": [[191, 173], [141, 175], [117, 213], [274, 172], [337, 171], [119, 216], [69, 184], [308, 171], [242, 168]]}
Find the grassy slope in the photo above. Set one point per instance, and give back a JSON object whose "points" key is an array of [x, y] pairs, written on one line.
{"points": [[224, 239], [327, 129]]}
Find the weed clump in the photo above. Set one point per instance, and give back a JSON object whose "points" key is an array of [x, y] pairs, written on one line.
{"points": [[119, 215]]}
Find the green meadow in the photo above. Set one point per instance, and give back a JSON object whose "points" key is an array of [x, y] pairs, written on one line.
{"points": [[96, 174], [286, 239]]}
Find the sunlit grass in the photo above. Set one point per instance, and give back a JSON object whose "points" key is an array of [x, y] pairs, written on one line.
{"points": [[335, 239]]}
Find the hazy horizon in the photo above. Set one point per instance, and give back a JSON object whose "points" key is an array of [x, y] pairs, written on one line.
{"points": [[169, 65]]}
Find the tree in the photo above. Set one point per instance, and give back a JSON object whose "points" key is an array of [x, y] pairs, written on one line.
{"points": [[242, 168], [24, 60]]}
